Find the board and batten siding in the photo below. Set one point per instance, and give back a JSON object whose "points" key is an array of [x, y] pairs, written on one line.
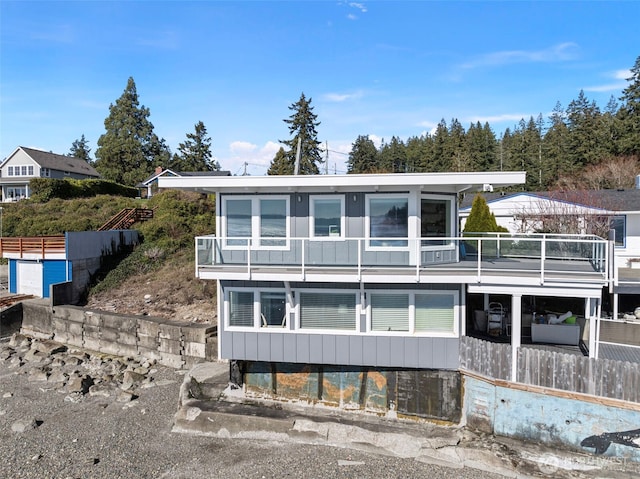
{"points": [[341, 349]]}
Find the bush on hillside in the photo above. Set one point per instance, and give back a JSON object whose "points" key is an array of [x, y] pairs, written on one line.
{"points": [[46, 189]]}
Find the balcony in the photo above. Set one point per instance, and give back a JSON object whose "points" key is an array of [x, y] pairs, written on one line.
{"points": [[41, 247], [495, 258]]}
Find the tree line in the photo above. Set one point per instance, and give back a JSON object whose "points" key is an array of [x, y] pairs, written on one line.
{"points": [[580, 144]]}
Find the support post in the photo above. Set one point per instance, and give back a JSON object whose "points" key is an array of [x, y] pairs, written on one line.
{"points": [[516, 333]]}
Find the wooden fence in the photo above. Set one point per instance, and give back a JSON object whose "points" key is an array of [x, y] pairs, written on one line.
{"points": [[568, 372]]}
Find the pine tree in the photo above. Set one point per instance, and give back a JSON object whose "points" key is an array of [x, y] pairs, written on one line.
{"points": [[393, 156], [583, 120], [194, 154], [363, 157], [282, 164], [129, 148], [302, 125], [80, 149], [629, 114], [481, 219]]}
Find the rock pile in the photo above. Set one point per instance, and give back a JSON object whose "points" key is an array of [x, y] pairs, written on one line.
{"points": [[76, 372]]}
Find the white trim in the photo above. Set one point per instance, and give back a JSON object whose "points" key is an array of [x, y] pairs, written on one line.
{"points": [[312, 217], [257, 325], [452, 223], [349, 332]]}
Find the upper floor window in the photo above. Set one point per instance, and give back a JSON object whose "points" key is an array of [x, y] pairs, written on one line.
{"points": [[30, 170], [436, 220], [262, 220], [618, 224], [327, 216], [10, 171], [46, 172], [387, 218]]}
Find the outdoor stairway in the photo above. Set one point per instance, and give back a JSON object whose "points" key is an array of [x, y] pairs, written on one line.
{"points": [[126, 218]]}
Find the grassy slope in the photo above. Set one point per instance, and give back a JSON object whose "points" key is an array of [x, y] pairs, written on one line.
{"points": [[162, 266]]}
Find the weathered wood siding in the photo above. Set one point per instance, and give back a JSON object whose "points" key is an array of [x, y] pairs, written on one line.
{"points": [[568, 372]]}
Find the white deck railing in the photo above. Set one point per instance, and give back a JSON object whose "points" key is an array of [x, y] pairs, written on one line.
{"points": [[545, 254]]}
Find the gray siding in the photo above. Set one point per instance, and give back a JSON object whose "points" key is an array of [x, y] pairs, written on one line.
{"points": [[332, 349]]}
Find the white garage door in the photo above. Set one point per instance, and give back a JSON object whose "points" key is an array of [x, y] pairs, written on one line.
{"points": [[30, 278]]}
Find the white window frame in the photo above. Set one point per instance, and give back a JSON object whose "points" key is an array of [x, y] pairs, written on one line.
{"points": [[349, 332], [23, 170], [10, 171], [255, 240], [312, 218], [367, 226], [452, 222], [30, 170], [46, 172], [257, 310], [412, 313]]}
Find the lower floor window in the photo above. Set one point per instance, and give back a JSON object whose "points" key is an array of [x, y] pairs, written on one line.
{"points": [[272, 309], [328, 310], [412, 312], [434, 313], [241, 308]]}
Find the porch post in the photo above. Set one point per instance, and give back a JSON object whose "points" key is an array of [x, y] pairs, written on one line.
{"points": [[516, 333]]}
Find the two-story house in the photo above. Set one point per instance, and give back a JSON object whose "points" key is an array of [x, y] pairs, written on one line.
{"points": [[369, 271], [26, 163]]}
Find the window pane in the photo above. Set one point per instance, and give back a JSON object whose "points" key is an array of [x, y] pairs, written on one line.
{"points": [[273, 222], [238, 221], [390, 312], [240, 308], [434, 313], [327, 311], [327, 216], [435, 220], [272, 309], [618, 224], [388, 219]]}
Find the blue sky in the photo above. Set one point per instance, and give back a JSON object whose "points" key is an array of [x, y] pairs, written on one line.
{"points": [[371, 68]]}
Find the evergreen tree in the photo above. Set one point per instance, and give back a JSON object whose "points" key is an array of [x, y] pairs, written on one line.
{"points": [[302, 125], [629, 114], [481, 147], [363, 157], [457, 147], [442, 155], [555, 146], [80, 149], [419, 153], [481, 219], [282, 164], [194, 154], [393, 156], [583, 120], [129, 149]]}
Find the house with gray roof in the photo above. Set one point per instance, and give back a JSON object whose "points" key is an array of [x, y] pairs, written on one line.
{"points": [[26, 163], [151, 183]]}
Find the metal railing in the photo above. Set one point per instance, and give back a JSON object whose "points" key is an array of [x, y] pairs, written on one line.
{"points": [[545, 254]]}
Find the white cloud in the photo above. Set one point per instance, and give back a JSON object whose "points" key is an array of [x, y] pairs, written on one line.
{"points": [[555, 53], [431, 126], [621, 82], [246, 156], [359, 6], [340, 97]]}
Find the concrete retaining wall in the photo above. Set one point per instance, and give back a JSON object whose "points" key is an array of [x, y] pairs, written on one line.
{"points": [[589, 424], [10, 320], [178, 345]]}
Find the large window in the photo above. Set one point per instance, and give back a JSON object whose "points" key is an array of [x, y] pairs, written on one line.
{"points": [[327, 216], [389, 312], [262, 220], [388, 218], [328, 311], [241, 308], [411, 312], [434, 313], [238, 216], [435, 220]]}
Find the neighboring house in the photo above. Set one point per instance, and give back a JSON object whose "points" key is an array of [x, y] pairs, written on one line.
{"points": [[370, 270], [583, 212], [38, 263], [151, 183], [26, 163]]}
